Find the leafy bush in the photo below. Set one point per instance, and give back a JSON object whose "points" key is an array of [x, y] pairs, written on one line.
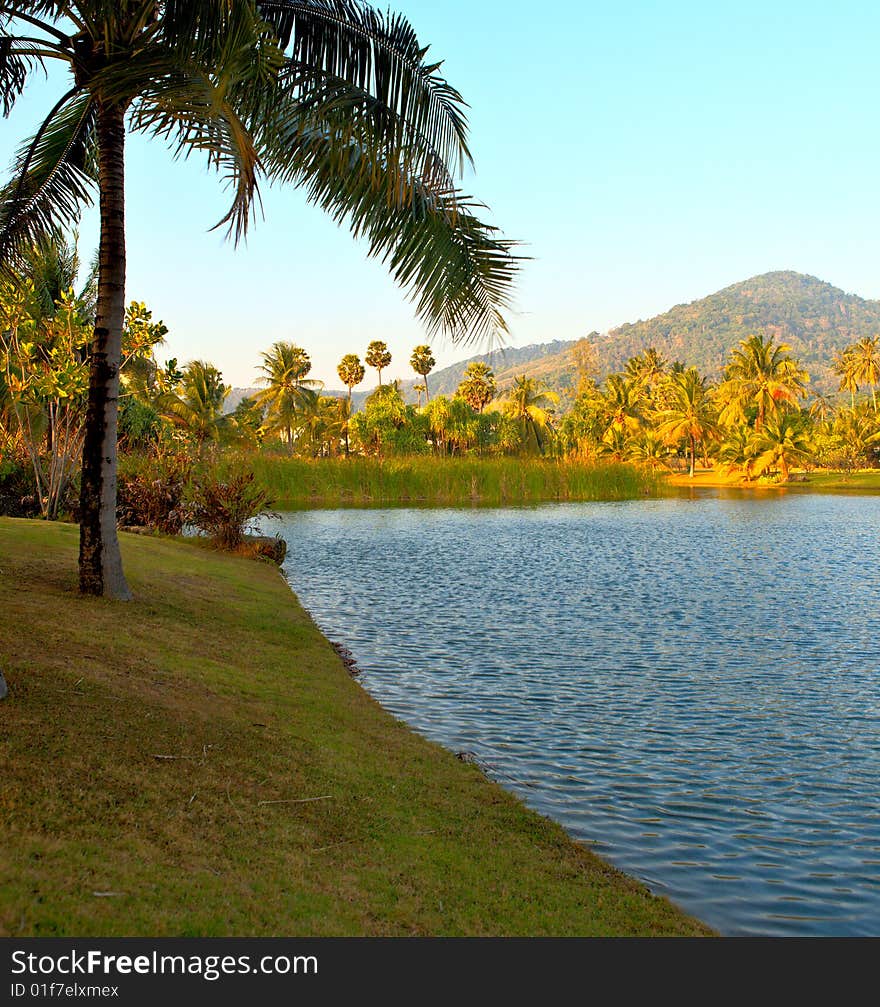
{"points": [[222, 506], [17, 498], [154, 495]]}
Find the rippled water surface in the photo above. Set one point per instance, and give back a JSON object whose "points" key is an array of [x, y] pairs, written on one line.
{"points": [[690, 686]]}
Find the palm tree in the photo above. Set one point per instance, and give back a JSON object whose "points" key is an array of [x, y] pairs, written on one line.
{"points": [[622, 403], [530, 403], [197, 407], [330, 95], [761, 375], [690, 415], [866, 363], [284, 368], [478, 385], [422, 362], [351, 372], [821, 407], [648, 368], [783, 441], [378, 357], [846, 368]]}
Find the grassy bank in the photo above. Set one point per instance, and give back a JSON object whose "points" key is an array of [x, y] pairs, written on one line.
{"points": [[295, 482], [866, 481], [200, 763]]}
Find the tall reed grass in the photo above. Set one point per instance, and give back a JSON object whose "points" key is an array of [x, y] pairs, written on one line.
{"points": [[295, 482]]}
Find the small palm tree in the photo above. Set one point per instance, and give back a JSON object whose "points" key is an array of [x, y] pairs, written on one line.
{"points": [[690, 414], [378, 357], [783, 441], [422, 362], [329, 95], [478, 385]]}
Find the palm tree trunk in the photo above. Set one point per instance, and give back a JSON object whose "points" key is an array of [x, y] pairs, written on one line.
{"points": [[347, 421], [427, 393], [100, 563], [693, 455]]}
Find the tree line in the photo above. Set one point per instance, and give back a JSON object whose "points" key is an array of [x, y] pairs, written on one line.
{"points": [[758, 418]]}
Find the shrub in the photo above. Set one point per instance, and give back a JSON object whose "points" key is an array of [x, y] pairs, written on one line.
{"points": [[153, 495], [222, 506], [17, 497]]}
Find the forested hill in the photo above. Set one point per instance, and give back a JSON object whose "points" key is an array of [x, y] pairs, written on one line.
{"points": [[813, 317]]}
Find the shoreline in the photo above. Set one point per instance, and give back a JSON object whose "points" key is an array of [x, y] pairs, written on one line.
{"points": [[170, 767]]}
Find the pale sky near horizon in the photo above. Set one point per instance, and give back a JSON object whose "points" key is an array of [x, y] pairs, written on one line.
{"points": [[645, 153]]}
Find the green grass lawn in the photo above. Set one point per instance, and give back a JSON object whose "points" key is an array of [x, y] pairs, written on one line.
{"points": [[200, 763]]}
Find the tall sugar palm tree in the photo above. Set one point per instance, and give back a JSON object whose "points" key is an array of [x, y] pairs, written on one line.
{"points": [[423, 362], [351, 372], [330, 95], [378, 357], [760, 375], [690, 414]]}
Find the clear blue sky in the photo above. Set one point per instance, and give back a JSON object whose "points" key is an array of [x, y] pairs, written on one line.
{"points": [[647, 153]]}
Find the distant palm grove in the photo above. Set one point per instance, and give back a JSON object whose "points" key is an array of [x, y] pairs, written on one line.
{"points": [[759, 419]]}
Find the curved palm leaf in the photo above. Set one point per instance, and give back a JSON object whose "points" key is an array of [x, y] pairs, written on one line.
{"points": [[54, 175]]}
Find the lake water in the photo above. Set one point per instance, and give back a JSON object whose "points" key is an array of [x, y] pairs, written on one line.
{"points": [[690, 686]]}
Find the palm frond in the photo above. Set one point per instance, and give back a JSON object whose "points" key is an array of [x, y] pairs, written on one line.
{"points": [[457, 269], [178, 100], [53, 178], [18, 59], [334, 42]]}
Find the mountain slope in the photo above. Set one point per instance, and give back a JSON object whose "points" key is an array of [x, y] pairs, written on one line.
{"points": [[815, 318]]}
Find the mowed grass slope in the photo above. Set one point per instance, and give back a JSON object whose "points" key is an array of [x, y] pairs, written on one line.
{"points": [[158, 762]]}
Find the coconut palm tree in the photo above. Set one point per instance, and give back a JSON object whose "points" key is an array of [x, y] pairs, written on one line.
{"points": [[846, 368], [531, 402], [783, 441], [648, 368], [197, 406], [330, 95], [378, 357], [622, 403], [760, 375], [478, 385], [690, 415], [422, 362], [865, 356], [287, 390], [351, 372]]}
